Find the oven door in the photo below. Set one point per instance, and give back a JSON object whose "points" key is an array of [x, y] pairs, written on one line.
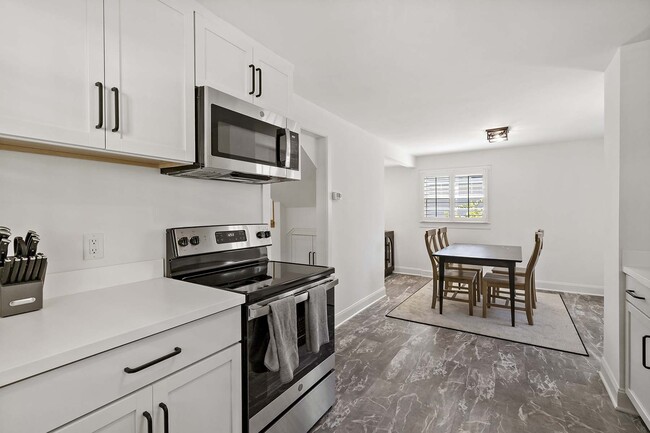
{"points": [[237, 136], [267, 397]]}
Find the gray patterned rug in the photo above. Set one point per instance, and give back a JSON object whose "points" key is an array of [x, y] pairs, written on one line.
{"points": [[553, 327]]}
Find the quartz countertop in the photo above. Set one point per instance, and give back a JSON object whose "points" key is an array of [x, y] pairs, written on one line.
{"points": [[641, 274], [70, 328]]}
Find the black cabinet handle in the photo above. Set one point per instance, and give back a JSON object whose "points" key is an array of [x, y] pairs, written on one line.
{"points": [[165, 410], [259, 93], [643, 351], [313, 257], [117, 108], [101, 105], [147, 416], [128, 370], [633, 294], [252, 79]]}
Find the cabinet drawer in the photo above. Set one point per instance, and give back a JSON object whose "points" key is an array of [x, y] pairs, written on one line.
{"points": [[639, 291], [63, 394], [638, 360]]}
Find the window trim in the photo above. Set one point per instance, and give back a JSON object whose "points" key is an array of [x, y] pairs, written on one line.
{"points": [[452, 173]]}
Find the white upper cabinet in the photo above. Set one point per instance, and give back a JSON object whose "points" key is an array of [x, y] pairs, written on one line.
{"points": [[229, 61], [150, 78], [51, 56], [224, 58]]}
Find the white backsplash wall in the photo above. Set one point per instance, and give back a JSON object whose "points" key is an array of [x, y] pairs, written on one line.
{"points": [[63, 198], [555, 187]]}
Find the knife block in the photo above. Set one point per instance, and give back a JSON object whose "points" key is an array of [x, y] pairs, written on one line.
{"points": [[21, 298]]}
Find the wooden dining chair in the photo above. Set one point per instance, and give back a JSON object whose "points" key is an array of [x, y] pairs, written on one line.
{"points": [[523, 285], [443, 241], [457, 281], [521, 272]]}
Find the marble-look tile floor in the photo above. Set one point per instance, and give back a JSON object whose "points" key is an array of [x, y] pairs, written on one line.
{"points": [[402, 377]]}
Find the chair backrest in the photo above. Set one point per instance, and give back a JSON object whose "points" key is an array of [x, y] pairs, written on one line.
{"points": [[534, 257], [442, 237], [431, 242]]}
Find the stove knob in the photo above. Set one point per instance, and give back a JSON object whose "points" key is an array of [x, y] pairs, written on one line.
{"points": [[267, 234], [195, 240], [260, 235], [183, 241]]}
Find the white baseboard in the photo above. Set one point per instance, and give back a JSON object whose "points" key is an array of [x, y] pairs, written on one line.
{"points": [[620, 400], [83, 280], [553, 286], [354, 309]]}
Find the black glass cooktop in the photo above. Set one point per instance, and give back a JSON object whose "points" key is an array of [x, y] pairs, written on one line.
{"points": [[263, 279]]}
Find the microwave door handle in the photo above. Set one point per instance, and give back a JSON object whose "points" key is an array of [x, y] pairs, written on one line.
{"points": [[282, 148]]}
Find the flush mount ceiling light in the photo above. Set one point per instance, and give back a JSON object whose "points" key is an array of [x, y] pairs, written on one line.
{"points": [[497, 134]]}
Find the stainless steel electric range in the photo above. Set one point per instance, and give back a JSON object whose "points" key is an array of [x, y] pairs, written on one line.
{"points": [[235, 258]]}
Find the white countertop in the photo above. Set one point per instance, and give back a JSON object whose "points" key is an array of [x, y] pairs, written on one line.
{"points": [[641, 274], [73, 327]]}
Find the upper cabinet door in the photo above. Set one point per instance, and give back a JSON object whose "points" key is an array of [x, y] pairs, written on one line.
{"points": [[274, 81], [205, 397], [223, 58], [51, 56], [150, 78]]}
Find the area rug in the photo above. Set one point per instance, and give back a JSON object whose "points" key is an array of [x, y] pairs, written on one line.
{"points": [[553, 326]]}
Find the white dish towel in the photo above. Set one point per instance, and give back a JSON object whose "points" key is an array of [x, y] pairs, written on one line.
{"points": [[317, 330], [282, 351]]}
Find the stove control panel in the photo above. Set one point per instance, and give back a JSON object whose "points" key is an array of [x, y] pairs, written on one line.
{"points": [[187, 241]]}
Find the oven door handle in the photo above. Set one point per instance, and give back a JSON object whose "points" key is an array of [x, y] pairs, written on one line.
{"points": [[262, 309]]}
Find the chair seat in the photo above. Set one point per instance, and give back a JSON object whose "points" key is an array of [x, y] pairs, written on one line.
{"points": [[465, 267], [502, 280], [518, 271], [464, 274]]}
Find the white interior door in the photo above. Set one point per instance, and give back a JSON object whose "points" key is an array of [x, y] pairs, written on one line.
{"points": [[51, 55], [273, 82], [126, 415], [301, 248], [205, 397], [150, 63], [223, 58]]}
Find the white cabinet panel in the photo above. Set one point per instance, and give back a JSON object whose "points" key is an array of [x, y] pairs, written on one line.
{"points": [[638, 362], [223, 58], [149, 60], [51, 55], [124, 416], [276, 81], [302, 247], [206, 397]]}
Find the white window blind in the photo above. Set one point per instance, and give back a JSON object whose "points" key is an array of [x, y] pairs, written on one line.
{"points": [[455, 195]]}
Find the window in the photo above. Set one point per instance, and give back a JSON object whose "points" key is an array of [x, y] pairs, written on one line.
{"points": [[455, 195]]}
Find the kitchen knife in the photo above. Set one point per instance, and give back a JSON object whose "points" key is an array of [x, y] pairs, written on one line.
{"points": [[22, 268], [31, 261], [37, 267], [43, 268], [32, 245], [20, 247], [4, 249], [15, 267], [4, 232], [6, 270]]}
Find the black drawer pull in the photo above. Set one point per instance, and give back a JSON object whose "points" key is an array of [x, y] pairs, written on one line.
{"points": [[100, 86], [633, 294], [643, 351], [130, 370], [117, 109], [259, 93], [147, 416], [165, 410]]}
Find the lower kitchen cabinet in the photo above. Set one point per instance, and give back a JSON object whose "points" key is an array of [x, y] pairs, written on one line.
{"points": [[204, 397], [638, 360]]}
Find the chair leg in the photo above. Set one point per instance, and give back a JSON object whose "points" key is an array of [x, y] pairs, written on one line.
{"points": [[485, 300], [435, 294], [472, 298], [528, 293]]}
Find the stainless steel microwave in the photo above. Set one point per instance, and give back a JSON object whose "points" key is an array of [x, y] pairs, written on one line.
{"points": [[241, 142]]}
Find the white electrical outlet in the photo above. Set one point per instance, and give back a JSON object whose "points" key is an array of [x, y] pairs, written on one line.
{"points": [[93, 246]]}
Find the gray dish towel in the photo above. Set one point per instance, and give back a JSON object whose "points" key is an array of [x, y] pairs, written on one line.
{"points": [[282, 351], [317, 331]]}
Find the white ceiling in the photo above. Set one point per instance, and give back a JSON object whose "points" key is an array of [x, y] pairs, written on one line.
{"points": [[432, 75]]}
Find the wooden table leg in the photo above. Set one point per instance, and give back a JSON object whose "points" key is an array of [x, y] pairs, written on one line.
{"points": [[511, 277], [441, 282]]}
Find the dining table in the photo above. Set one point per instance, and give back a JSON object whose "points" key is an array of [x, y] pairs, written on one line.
{"points": [[506, 256]]}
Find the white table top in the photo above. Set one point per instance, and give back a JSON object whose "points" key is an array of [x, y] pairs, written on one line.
{"points": [[641, 274], [73, 327]]}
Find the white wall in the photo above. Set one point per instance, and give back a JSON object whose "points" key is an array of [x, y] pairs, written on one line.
{"points": [[556, 187], [627, 149], [355, 165], [63, 198]]}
